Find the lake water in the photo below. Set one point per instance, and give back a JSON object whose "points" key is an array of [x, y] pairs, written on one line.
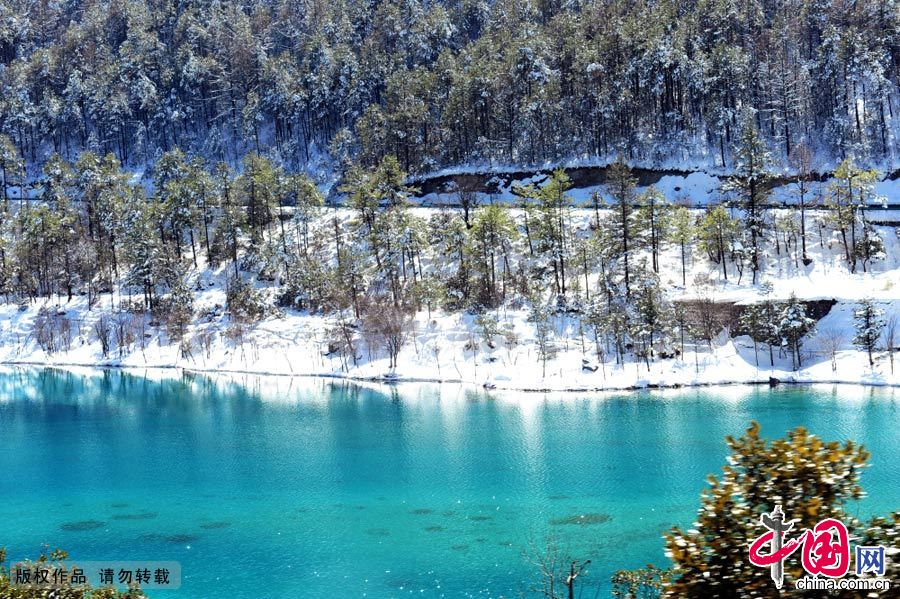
{"points": [[277, 487]]}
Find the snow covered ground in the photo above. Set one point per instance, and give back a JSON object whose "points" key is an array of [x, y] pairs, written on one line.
{"points": [[449, 347]]}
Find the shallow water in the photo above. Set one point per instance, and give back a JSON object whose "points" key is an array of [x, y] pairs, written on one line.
{"points": [[272, 487]]}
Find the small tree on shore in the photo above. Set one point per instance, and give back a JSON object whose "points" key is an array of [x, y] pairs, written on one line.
{"points": [[890, 337], [387, 325], [869, 323], [794, 326], [830, 342], [543, 334]]}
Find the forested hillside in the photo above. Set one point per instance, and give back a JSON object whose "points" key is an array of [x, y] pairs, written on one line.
{"points": [[320, 84], [166, 166]]}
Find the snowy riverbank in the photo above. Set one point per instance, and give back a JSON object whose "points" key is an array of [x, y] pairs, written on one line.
{"points": [[451, 346], [441, 350]]}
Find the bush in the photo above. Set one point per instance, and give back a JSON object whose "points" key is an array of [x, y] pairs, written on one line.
{"points": [[386, 325], [711, 560], [243, 302], [175, 311], [103, 330], [52, 331], [58, 557]]}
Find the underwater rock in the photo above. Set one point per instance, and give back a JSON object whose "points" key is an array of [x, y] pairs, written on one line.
{"points": [[593, 518], [139, 516], [181, 538], [82, 525], [378, 532]]}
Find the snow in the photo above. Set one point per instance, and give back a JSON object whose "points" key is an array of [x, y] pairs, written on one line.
{"points": [[295, 343]]}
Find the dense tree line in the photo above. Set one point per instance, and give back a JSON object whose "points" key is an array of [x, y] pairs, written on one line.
{"points": [[447, 83]]}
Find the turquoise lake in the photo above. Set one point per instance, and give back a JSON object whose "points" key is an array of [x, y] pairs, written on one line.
{"points": [[279, 487]]}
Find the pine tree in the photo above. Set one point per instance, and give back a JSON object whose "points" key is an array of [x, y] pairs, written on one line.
{"points": [[492, 234], [12, 167], [652, 313], [851, 190], [625, 232], [794, 325], [682, 232], [752, 161], [654, 213], [552, 205], [869, 322], [716, 234]]}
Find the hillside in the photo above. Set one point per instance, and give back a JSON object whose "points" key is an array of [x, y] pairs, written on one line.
{"points": [[318, 86], [299, 309]]}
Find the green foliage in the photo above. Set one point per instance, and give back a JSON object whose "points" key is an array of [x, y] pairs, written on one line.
{"points": [[492, 236], [794, 326], [545, 344], [447, 83], [57, 558], [551, 206], [716, 234], [751, 163], [624, 236], [868, 319], [645, 583], [244, 303], [852, 189], [260, 189], [811, 479]]}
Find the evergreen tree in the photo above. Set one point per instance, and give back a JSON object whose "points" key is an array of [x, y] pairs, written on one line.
{"points": [[682, 233], [12, 167], [716, 234], [751, 176], [851, 190], [624, 231], [492, 235], [793, 326], [654, 213], [823, 481], [868, 320], [551, 205]]}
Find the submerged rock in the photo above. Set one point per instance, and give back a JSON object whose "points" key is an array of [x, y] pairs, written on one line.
{"points": [[480, 518], [378, 532], [140, 516], [594, 518], [182, 538], [82, 525]]}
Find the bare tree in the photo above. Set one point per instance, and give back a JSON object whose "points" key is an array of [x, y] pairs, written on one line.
{"points": [[387, 325], [890, 337], [558, 572], [830, 342], [103, 330], [343, 339]]}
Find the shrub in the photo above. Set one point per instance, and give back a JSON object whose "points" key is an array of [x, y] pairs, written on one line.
{"points": [[52, 331], [244, 303]]}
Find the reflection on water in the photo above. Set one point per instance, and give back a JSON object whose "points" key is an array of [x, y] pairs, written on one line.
{"points": [[383, 491]]}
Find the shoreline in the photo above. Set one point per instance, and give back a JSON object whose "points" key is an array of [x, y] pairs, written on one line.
{"points": [[400, 380]]}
